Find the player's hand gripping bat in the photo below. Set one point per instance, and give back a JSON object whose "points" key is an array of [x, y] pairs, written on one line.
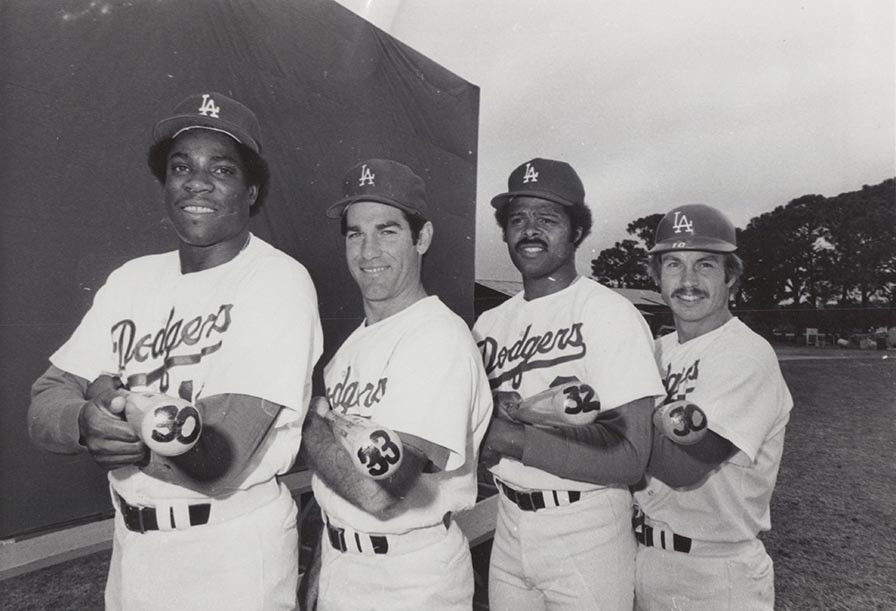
{"points": [[572, 403]]}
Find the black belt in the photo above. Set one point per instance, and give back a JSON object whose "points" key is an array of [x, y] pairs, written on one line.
{"points": [[142, 519], [336, 535], [647, 535], [533, 501]]}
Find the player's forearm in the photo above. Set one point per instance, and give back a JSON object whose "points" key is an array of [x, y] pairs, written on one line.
{"points": [[233, 431], [57, 398], [332, 464], [614, 449], [683, 466]]}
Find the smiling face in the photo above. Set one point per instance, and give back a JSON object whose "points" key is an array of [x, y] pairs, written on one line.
{"points": [[207, 197], [541, 243], [383, 258], [693, 284]]}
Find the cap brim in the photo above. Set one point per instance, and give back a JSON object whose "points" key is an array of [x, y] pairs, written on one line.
{"points": [[503, 199], [704, 244], [167, 128], [338, 209]]}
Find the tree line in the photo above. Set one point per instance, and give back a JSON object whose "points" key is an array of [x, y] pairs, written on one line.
{"points": [[813, 252]]}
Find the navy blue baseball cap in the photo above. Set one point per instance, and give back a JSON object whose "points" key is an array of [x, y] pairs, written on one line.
{"points": [[695, 227], [214, 111], [383, 181], [547, 179]]}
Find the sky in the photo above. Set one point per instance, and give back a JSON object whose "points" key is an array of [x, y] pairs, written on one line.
{"points": [[743, 105]]}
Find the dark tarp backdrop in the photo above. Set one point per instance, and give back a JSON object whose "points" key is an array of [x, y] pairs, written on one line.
{"points": [[84, 81]]}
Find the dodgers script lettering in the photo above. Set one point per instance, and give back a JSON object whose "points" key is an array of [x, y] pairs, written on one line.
{"points": [[680, 383], [347, 394], [128, 347], [555, 347]]}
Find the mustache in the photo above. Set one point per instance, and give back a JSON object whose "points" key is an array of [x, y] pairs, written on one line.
{"points": [[531, 242]]}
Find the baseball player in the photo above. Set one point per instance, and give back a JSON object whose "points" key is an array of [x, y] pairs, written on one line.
{"points": [[413, 367], [563, 542], [697, 518], [226, 322]]}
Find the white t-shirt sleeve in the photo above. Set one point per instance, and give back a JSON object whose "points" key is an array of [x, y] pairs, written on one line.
{"points": [[275, 340], [88, 352], [743, 407], [430, 390], [621, 361]]}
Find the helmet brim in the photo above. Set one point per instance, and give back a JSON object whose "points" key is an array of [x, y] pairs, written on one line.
{"points": [[693, 243]]}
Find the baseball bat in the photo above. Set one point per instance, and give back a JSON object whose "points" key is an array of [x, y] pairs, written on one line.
{"points": [[571, 403], [375, 450], [168, 425], [681, 421]]}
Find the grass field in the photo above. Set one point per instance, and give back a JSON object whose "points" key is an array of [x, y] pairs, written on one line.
{"points": [[834, 508], [833, 512]]}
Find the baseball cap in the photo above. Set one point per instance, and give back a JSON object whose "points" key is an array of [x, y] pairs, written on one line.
{"points": [[695, 227], [213, 111], [548, 179], [383, 181]]}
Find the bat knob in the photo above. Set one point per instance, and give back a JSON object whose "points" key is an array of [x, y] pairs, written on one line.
{"points": [[681, 421], [169, 426], [380, 455]]}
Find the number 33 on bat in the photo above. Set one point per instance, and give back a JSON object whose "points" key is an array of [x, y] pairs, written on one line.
{"points": [[382, 455], [375, 450]]}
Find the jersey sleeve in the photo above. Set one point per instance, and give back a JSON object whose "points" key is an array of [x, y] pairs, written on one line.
{"points": [[621, 364], [276, 339], [745, 408], [432, 380], [88, 352]]}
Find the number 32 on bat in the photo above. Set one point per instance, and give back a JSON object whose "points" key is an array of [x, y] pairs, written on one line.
{"points": [[380, 455], [582, 399]]}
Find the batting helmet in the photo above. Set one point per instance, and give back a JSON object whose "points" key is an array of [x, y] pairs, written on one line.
{"points": [[695, 227]]}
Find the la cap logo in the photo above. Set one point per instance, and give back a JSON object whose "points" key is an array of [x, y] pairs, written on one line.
{"points": [[367, 176], [682, 223], [530, 174], [208, 107]]}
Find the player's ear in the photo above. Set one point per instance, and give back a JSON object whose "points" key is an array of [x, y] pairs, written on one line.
{"points": [[253, 195], [425, 238]]}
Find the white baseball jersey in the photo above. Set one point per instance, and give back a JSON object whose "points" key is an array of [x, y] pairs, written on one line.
{"points": [[586, 331], [249, 326], [415, 372], [732, 374]]}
